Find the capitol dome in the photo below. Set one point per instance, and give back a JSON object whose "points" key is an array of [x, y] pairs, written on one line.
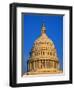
{"points": [[43, 56]]}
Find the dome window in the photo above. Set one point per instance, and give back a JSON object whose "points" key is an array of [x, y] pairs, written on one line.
{"points": [[43, 53], [50, 53]]}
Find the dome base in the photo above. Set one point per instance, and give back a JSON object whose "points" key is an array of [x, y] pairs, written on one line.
{"points": [[44, 71]]}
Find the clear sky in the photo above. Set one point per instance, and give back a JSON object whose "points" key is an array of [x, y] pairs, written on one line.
{"points": [[31, 25]]}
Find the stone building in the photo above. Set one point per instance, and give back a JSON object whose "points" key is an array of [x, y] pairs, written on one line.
{"points": [[43, 56]]}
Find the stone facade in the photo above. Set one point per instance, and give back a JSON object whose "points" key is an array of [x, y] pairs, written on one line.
{"points": [[43, 56]]}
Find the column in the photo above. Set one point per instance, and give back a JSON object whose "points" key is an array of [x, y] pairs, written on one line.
{"points": [[44, 63], [34, 65], [39, 64], [29, 66], [47, 63], [53, 64], [57, 65]]}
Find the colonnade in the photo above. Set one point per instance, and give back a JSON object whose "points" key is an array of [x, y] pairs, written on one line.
{"points": [[43, 63]]}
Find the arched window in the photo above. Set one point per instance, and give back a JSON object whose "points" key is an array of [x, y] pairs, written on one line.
{"points": [[50, 53], [38, 53], [43, 53], [53, 53]]}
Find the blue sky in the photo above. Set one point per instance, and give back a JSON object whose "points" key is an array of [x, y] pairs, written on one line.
{"points": [[31, 25]]}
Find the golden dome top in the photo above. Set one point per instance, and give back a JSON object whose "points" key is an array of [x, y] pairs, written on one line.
{"points": [[43, 39]]}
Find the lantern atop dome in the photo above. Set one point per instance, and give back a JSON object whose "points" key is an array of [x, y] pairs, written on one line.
{"points": [[43, 31]]}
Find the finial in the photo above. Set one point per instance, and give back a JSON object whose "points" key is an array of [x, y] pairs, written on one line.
{"points": [[43, 28]]}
